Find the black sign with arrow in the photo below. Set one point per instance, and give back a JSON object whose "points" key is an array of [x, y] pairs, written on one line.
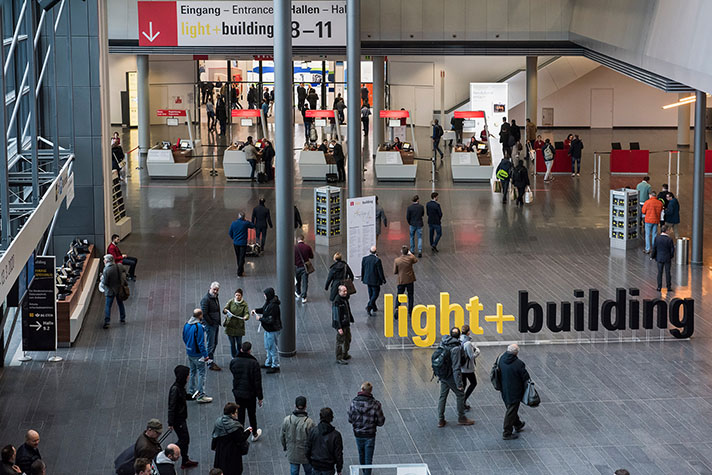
{"points": [[39, 309]]}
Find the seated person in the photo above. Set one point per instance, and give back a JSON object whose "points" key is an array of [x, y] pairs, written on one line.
{"points": [[397, 144], [120, 258], [459, 147], [538, 143], [324, 147], [306, 146], [472, 145]]}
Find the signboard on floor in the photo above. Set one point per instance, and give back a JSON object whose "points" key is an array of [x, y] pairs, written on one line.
{"points": [[360, 230], [39, 309], [238, 23], [491, 97]]}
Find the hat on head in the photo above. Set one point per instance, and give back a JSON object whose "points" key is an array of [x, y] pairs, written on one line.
{"points": [[301, 402], [154, 424]]}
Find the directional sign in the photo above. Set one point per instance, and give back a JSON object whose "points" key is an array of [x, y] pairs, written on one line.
{"points": [[39, 309], [170, 113], [238, 23]]}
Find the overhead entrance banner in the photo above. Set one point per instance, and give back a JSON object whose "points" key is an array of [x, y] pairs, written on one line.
{"points": [[225, 23]]}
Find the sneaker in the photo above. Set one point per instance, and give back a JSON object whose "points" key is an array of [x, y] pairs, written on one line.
{"points": [[465, 421], [521, 427], [215, 367], [106, 325], [203, 399], [510, 437], [123, 322], [189, 464], [578, 174], [256, 435], [189, 397], [420, 254], [273, 370], [442, 423], [467, 407], [296, 295], [347, 357], [658, 289], [573, 174], [342, 362], [304, 300], [368, 311], [669, 289]]}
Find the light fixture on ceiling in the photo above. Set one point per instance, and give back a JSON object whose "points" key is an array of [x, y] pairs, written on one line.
{"points": [[681, 102]]}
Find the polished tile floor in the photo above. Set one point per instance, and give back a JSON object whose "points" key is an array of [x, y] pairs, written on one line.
{"points": [[644, 406]]}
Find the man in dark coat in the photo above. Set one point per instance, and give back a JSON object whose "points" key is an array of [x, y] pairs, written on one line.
{"points": [[325, 448], [238, 233], [113, 278], [514, 378], [435, 216], [504, 138], [247, 386], [575, 152], [366, 415], [373, 276], [178, 413], [7, 461], [504, 174], [339, 158], [338, 272], [29, 451], [301, 96], [210, 305], [663, 252], [520, 180], [454, 381], [414, 217], [270, 317], [341, 319], [147, 445], [261, 218]]}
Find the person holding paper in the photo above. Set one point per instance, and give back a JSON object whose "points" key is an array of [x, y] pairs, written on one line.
{"points": [[236, 313]]}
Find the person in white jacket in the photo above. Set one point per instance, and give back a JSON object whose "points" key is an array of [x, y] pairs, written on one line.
{"points": [[468, 368]]}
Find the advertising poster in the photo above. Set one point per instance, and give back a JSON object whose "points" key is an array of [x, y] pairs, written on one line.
{"points": [[361, 230], [491, 97], [39, 309]]}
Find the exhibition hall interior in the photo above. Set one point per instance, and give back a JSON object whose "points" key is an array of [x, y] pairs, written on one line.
{"points": [[355, 236]]}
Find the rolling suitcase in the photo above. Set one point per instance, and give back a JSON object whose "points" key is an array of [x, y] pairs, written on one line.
{"points": [[332, 177], [253, 248]]}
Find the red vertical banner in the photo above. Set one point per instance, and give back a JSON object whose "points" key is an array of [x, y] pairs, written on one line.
{"points": [[157, 24]]}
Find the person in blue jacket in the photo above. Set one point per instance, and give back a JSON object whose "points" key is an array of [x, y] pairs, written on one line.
{"points": [[194, 339], [238, 234]]}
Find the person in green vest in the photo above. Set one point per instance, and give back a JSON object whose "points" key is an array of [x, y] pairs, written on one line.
{"points": [[237, 313]]}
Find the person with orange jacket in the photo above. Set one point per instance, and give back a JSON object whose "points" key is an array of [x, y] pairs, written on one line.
{"points": [[652, 209]]}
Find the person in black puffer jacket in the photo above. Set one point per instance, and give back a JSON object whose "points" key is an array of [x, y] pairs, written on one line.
{"points": [[270, 318], [325, 448], [514, 377], [366, 415], [338, 271], [178, 413], [247, 386]]}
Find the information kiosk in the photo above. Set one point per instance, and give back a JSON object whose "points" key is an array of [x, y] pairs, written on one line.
{"points": [[394, 165], [471, 166], [174, 161], [235, 164], [315, 164]]}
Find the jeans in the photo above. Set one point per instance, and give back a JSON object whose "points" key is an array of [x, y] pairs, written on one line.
{"points": [[196, 379], [211, 337], [402, 289], [373, 292], [549, 165], [664, 266], [307, 127], [445, 387], [270, 340], [235, 345], [436, 149], [505, 190], [181, 430], [520, 195], [294, 469], [249, 405], [651, 230], [107, 308], [253, 165], [511, 418], [341, 170], [302, 284], [343, 343], [469, 378], [240, 252], [364, 121], [436, 231], [413, 231], [261, 236], [130, 262], [365, 445], [577, 162]]}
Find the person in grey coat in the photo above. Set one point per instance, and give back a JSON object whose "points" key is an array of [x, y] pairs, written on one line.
{"points": [[295, 434], [380, 218], [112, 278], [454, 382], [372, 275]]}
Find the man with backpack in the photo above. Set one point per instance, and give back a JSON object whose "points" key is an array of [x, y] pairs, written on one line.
{"points": [[504, 173], [447, 362], [548, 152], [194, 339], [437, 133]]}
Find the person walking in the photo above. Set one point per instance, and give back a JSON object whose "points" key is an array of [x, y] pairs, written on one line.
{"points": [[514, 377], [247, 387], [575, 153], [339, 106], [297, 218], [663, 252], [301, 96], [435, 216], [338, 272], [470, 354], [221, 114], [210, 108], [450, 378], [365, 112], [268, 155], [270, 318], [303, 253], [414, 218], [250, 156], [238, 234], [651, 210], [366, 416], [672, 213], [178, 413], [520, 180], [261, 218], [340, 160], [436, 133], [194, 339], [381, 218], [403, 268], [515, 137], [325, 447], [341, 320], [295, 436], [210, 306], [548, 152], [457, 124], [147, 444], [372, 275], [504, 138], [504, 173], [236, 314], [165, 462], [229, 441], [123, 259], [312, 98], [113, 278], [530, 130], [251, 97]]}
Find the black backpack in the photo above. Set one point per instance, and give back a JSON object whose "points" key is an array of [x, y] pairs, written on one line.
{"points": [[438, 131], [496, 374], [441, 362]]}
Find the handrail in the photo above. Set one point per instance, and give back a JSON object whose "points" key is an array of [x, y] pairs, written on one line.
{"points": [[14, 37], [39, 27], [59, 16], [17, 100]]}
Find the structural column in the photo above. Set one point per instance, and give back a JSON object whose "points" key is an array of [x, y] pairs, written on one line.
{"points": [[353, 83], [698, 179], [144, 114], [284, 176], [531, 90], [379, 81], [683, 122]]}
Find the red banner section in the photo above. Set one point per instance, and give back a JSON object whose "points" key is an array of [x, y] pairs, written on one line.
{"points": [[630, 162], [245, 112], [321, 114], [708, 162], [157, 24], [394, 114], [562, 162], [170, 113], [469, 114]]}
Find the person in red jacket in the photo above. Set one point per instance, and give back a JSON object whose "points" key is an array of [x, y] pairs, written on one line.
{"points": [[652, 209], [119, 258]]}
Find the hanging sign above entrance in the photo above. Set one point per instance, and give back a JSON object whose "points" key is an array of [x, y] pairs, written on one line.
{"points": [[223, 23]]}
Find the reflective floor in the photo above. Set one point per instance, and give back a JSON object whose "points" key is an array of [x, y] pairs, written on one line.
{"points": [[610, 404]]}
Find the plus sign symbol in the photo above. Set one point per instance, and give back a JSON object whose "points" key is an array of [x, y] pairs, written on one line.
{"points": [[157, 24]]}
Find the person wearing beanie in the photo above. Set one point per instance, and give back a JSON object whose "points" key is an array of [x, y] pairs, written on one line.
{"points": [[178, 413]]}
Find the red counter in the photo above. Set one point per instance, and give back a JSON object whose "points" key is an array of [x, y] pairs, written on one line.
{"points": [[630, 162], [708, 162], [562, 162]]}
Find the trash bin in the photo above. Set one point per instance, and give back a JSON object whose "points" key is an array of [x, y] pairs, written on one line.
{"points": [[682, 251]]}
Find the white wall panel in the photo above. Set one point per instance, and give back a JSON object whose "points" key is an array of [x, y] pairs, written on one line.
{"points": [[412, 74], [454, 19], [518, 27], [371, 19], [497, 19], [476, 21], [433, 20], [390, 20], [412, 19]]}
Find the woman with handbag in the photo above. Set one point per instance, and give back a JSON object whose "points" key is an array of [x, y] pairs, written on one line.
{"points": [[520, 181], [339, 274], [236, 313], [230, 441]]}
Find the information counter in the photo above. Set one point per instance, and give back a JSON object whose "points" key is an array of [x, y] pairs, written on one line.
{"points": [[392, 165], [235, 164], [630, 162], [313, 165], [166, 163], [562, 162], [466, 168], [72, 310]]}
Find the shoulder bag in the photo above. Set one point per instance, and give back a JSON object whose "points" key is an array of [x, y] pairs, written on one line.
{"points": [[308, 266], [348, 283]]}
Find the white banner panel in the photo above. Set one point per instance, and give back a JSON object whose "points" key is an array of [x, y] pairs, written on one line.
{"points": [[361, 230], [492, 98]]}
